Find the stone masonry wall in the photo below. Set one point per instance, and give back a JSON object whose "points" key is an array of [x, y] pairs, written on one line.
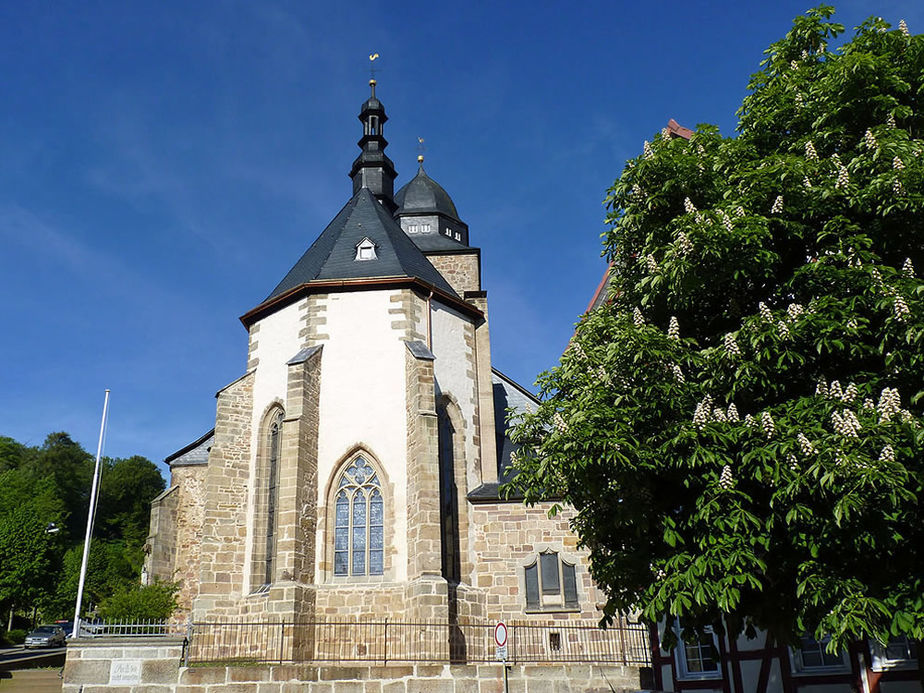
{"points": [[224, 527], [190, 482], [160, 547], [155, 666], [462, 271], [509, 536]]}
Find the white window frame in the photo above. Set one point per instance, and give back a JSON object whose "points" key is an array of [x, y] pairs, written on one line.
{"points": [[798, 666], [365, 250], [883, 662], [680, 658], [551, 602]]}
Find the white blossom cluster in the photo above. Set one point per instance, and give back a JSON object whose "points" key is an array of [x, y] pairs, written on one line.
{"points": [[901, 309], [793, 65], [843, 176], [890, 121], [637, 317], [739, 211], [805, 445], [703, 413], [783, 329], [765, 312], [731, 346], [868, 404], [850, 393], [821, 388], [700, 151], [732, 413], [688, 206], [647, 151], [889, 404], [877, 278], [652, 264], [870, 139], [806, 183], [887, 454], [766, 424], [686, 245], [835, 391], [578, 350], [903, 27], [559, 422], [795, 310], [603, 375], [637, 193], [719, 415], [673, 329], [897, 188], [726, 480], [852, 324], [898, 164], [678, 373], [908, 268], [777, 206], [665, 133], [726, 220], [846, 423], [750, 421], [793, 462], [810, 152], [800, 103]]}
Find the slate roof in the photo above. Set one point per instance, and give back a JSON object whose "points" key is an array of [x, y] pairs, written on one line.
{"points": [[196, 452], [507, 395], [422, 195], [332, 255]]}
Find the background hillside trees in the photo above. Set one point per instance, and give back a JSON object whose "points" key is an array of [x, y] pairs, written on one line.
{"points": [[739, 428], [50, 484]]}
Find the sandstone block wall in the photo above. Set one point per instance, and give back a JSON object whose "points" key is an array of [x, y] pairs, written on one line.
{"points": [[224, 526], [509, 536], [461, 270]]}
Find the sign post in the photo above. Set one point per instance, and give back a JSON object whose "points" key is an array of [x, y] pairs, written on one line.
{"points": [[500, 640]]}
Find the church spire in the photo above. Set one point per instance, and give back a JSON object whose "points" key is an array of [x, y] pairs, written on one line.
{"points": [[373, 169]]}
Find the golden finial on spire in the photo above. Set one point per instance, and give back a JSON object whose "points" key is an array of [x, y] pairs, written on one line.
{"points": [[372, 58], [420, 150]]}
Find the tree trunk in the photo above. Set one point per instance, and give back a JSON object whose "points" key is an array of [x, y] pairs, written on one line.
{"points": [[10, 627]]}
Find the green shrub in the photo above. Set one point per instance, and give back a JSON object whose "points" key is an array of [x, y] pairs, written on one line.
{"points": [[153, 602], [17, 636]]}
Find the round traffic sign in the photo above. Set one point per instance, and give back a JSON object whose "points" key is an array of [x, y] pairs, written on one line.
{"points": [[500, 634]]}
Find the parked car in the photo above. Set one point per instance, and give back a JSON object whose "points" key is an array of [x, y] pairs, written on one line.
{"points": [[66, 626], [46, 636]]}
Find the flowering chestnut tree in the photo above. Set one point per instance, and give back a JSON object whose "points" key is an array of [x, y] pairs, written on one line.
{"points": [[739, 428]]}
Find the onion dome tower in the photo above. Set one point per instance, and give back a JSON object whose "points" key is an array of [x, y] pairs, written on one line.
{"points": [[428, 215]]}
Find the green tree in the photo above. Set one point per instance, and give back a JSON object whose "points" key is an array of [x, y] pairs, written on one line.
{"points": [[739, 429], [26, 557]]}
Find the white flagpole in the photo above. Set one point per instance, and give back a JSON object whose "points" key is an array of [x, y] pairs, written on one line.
{"points": [[90, 518]]}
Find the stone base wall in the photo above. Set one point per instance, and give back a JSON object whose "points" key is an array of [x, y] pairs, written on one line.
{"points": [[153, 665]]}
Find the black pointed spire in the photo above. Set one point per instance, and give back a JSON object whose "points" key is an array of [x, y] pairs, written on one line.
{"points": [[373, 169]]}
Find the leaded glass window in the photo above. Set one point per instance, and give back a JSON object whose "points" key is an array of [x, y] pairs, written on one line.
{"points": [[359, 522], [271, 497], [551, 583]]}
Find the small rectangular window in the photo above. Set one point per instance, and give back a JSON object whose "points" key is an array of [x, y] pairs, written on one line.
{"points": [[569, 583], [532, 587]]}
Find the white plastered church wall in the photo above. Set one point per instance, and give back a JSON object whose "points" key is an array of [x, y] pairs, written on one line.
{"points": [[454, 369], [277, 343], [363, 401]]}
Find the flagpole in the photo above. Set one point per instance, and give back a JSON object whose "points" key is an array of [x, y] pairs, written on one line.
{"points": [[90, 518]]}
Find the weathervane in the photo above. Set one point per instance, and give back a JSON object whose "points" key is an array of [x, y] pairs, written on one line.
{"points": [[420, 150], [372, 70]]}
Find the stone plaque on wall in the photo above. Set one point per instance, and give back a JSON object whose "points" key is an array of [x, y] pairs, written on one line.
{"points": [[125, 672]]}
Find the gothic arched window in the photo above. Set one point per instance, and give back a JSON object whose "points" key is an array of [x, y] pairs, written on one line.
{"points": [[359, 527], [271, 496]]}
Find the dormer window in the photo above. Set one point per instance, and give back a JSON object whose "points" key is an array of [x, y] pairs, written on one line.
{"points": [[365, 250]]}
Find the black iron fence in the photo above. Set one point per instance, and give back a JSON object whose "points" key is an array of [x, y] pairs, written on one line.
{"points": [[384, 641]]}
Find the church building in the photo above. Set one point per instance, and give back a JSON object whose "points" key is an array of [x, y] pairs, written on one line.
{"points": [[354, 467]]}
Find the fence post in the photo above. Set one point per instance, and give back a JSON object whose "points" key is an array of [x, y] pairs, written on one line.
{"points": [[385, 649], [623, 623], [187, 645]]}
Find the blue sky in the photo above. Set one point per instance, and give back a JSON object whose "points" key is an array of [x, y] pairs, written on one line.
{"points": [[163, 164]]}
